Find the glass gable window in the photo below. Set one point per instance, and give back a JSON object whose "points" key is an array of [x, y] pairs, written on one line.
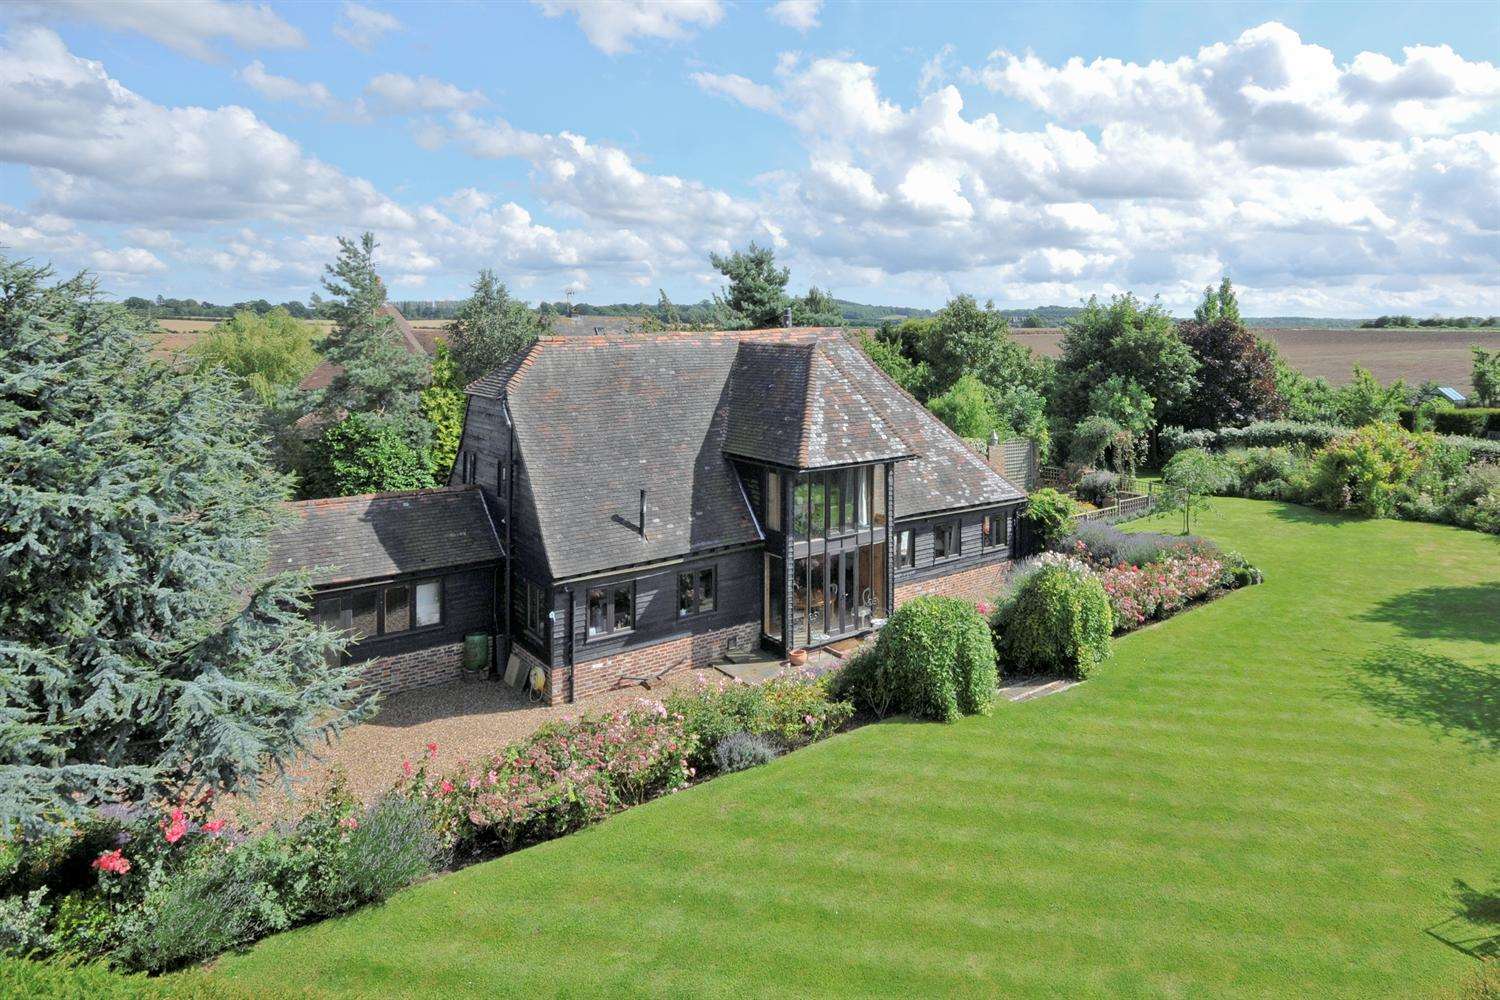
{"points": [[611, 609], [697, 592]]}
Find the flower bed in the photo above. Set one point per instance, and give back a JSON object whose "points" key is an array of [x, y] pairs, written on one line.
{"points": [[1141, 593], [154, 889]]}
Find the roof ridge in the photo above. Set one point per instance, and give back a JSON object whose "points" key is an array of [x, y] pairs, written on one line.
{"points": [[803, 426], [384, 495]]}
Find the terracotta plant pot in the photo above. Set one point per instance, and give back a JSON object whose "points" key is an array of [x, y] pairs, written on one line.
{"points": [[797, 657]]}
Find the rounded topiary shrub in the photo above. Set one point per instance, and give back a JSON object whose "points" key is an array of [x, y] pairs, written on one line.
{"points": [[934, 660], [1059, 622]]}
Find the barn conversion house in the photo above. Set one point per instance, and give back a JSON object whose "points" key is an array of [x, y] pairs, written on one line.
{"points": [[662, 500]]}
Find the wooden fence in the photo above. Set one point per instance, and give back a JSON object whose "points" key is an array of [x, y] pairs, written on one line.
{"points": [[1134, 499]]}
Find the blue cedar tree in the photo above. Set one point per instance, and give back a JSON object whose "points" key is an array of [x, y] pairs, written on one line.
{"points": [[143, 649]]}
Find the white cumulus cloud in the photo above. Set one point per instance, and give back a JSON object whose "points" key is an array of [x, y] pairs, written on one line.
{"points": [[613, 27]]}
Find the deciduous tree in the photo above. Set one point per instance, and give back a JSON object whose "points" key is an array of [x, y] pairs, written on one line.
{"points": [[270, 351], [1236, 375]]}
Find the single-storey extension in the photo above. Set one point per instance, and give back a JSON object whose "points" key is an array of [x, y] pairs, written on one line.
{"points": [[408, 575]]}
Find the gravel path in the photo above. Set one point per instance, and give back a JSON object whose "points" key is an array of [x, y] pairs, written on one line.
{"points": [[464, 718]]}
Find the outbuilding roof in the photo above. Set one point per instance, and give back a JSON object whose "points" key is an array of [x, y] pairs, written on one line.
{"points": [[380, 535], [599, 418]]}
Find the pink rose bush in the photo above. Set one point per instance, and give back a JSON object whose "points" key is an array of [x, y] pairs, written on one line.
{"points": [[1140, 593], [563, 777]]}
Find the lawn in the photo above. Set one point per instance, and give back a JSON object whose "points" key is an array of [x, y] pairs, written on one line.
{"points": [[1294, 790]]}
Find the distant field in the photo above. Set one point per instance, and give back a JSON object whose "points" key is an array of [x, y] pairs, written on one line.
{"points": [[1415, 355], [179, 334]]}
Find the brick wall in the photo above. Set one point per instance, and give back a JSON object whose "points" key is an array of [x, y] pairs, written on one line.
{"points": [[415, 669], [975, 584], [594, 676]]}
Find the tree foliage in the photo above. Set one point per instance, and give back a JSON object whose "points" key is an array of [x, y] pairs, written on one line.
{"points": [[1236, 376], [1486, 376], [1365, 401], [489, 328], [756, 296], [142, 652], [913, 376], [271, 351], [368, 453], [967, 409], [967, 339], [444, 405], [1126, 339], [377, 373], [1218, 305]]}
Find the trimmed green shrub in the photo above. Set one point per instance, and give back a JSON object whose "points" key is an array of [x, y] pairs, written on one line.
{"points": [[1366, 471], [934, 660], [1171, 440], [1050, 515], [1471, 421], [1269, 473], [1060, 622], [1268, 433], [857, 682]]}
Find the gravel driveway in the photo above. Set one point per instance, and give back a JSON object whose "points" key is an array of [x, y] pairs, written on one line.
{"points": [[464, 718]]}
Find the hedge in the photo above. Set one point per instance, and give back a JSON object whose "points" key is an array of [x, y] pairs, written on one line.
{"points": [[1471, 421]]}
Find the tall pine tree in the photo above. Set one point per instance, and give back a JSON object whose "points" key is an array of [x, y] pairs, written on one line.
{"points": [[489, 327], [143, 651], [377, 373]]}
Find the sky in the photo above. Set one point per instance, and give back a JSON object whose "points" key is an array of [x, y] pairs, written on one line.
{"points": [[1337, 159]]}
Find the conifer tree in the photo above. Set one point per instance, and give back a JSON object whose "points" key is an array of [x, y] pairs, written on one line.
{"points": [[489, 327], [377, 374], [756, 296], [144, 651]]}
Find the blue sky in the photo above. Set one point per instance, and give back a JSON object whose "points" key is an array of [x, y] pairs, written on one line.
{"points": [[1335, 159]]}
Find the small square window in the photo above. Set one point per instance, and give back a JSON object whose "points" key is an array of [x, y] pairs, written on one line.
{"points": [[611, 609], [697, 592], [945, 540]]}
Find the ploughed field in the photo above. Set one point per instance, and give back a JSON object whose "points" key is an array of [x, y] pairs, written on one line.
{"points": [[1415, 355], [1289, 791]]}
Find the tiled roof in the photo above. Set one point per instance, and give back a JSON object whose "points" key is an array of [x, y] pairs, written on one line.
{"points": [[600, 417], [346, 539], [796, 405]]}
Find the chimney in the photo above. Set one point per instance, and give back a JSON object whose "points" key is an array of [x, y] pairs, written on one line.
{"points": [[643, 512], [786, 317]]}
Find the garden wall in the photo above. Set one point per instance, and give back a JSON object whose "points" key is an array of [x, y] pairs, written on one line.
{"points": [[415, 669]]}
